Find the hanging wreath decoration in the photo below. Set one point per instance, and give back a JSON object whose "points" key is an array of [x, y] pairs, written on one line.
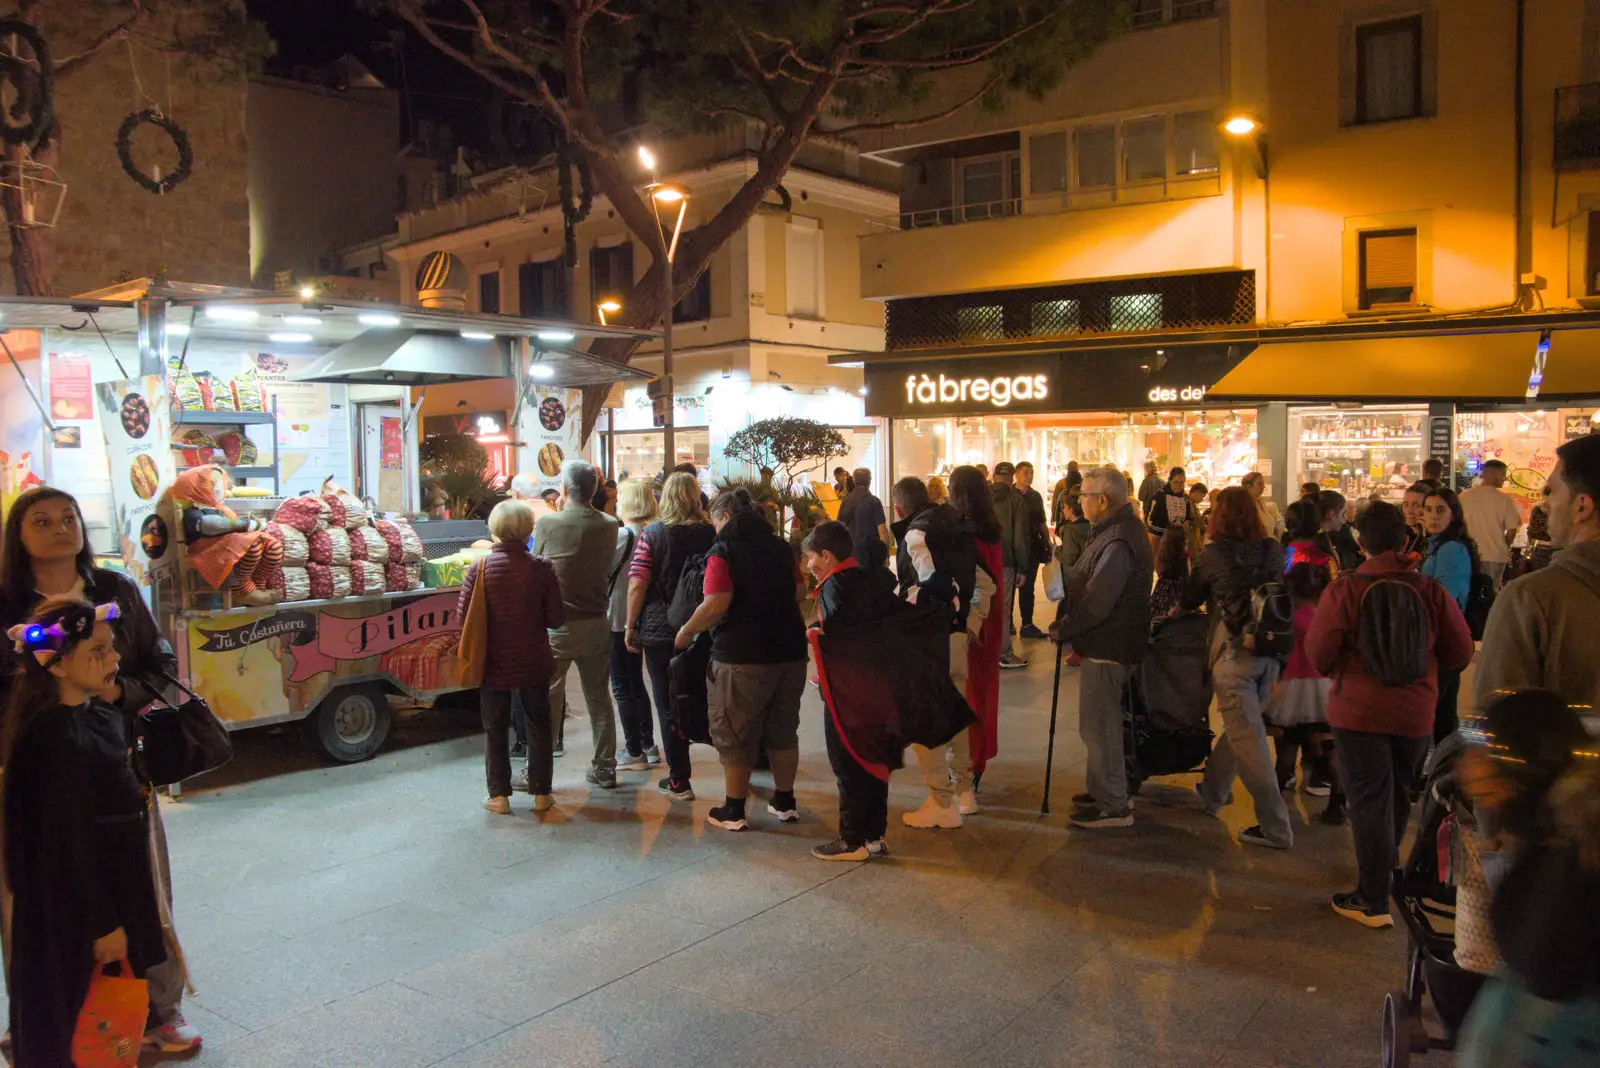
{"points": [[34, 83], [180, 141]]}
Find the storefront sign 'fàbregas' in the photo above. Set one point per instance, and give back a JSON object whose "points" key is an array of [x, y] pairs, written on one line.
{"points": [[998, 391]]}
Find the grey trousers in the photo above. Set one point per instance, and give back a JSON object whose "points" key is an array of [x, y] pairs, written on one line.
{"points": [[1008, 579], [1242, 684], [586, 643], [167, 979], [1100, 689]]}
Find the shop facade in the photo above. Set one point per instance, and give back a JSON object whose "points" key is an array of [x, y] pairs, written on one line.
{"points": [[1122, 405]]}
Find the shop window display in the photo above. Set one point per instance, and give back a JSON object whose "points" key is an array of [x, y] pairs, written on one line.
{"points": [[1361, 452], [1214, 446], [1524, 441]]}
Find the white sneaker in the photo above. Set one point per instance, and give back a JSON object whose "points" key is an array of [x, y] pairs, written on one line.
{"points": [[967, 803], [544, 802], [931, 815], [500, 806]]}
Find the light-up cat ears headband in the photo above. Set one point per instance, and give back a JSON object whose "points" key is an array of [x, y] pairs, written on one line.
{"points": [[47, 644]]}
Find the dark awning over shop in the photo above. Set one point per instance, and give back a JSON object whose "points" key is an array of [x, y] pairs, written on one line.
{"points": [[1436, 367]]}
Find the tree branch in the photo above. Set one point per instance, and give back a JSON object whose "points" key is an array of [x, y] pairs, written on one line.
{"points": [[918, 17], [910, 124], [981, 53], [66, 67]]}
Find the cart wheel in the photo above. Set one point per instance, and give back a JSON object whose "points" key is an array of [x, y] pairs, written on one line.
{"points": [[351, 723], [1398, 1025]]}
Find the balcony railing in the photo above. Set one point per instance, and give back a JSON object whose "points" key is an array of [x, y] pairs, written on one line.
{"points": [[1577, 127], [1157, 12], [1148, 192]]}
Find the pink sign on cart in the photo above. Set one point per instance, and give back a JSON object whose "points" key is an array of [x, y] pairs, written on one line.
{"points": [[368, 636]]}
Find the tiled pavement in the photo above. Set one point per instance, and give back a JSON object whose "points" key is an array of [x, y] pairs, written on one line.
{"points": [[374, 915]]}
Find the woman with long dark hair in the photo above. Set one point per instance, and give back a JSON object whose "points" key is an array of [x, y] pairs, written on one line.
{"points": [[1451, 560], [1240, 557], [973, 503], [77, 855], [45, 555]]}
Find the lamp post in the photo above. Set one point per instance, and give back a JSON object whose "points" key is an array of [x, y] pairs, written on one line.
{"points": [[664, 195]]}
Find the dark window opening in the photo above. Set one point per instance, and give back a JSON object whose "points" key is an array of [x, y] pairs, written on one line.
{"points": [[610, 272], [1389, 70], [1388, 268], [543, 291], [489, 293]]}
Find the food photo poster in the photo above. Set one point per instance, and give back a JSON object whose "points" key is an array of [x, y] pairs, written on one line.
{"points": [[548, 428]]}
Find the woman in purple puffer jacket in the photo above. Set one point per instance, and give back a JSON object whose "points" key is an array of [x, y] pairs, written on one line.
{"points": [[524, 602]]}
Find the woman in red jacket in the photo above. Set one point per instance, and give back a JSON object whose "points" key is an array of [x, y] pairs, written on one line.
{"points": [[1382, 731], [524, 602]]}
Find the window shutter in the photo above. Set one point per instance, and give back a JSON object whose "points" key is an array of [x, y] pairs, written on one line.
{"points": [[1391, 260]]}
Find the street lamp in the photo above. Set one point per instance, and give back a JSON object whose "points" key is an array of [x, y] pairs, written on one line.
{"points": [[1246, 129], [609, 306], [665, 195]]}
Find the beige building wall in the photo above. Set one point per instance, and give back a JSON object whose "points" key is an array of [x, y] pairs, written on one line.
{"points": [[1564, 50]]}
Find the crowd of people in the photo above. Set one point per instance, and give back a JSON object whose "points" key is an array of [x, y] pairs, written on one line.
{"points": [[1337, 640]]}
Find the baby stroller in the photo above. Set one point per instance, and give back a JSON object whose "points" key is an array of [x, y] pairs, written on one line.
{"points": [[1167, 727], [1423, 893]]}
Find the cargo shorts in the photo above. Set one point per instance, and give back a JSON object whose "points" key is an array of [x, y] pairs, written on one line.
{"points": [[754, 707]]}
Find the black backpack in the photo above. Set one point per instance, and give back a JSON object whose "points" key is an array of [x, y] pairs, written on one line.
{"points": [[1270, 631], [690, 592], [1393, 634], [1480, 598]]}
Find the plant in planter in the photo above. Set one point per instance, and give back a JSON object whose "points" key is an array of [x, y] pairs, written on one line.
{"points": [[787, 444], [457, 467]]}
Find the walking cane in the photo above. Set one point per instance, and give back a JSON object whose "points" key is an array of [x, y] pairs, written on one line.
{"points": [[1050, 754]]}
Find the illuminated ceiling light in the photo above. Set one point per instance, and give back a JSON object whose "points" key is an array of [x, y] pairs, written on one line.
{"points": [[307, 292], [1240, 125], [378, 319], [476, 335], [647, 159], [232, 315], [290, 338], [541, 370], [565, 335], [178, 329], [302, 320]]}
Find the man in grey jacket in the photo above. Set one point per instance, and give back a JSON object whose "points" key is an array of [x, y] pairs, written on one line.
{"points": [[582, 543], [1016, 540], [1105, 616]]}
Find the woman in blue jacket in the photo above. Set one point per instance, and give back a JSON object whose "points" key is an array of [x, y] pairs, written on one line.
{"points": [[1452, 560]]}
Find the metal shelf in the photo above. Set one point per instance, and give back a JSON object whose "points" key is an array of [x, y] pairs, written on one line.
{"points": [[201, 417]]}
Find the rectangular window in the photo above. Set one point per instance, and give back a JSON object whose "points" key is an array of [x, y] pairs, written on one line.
{"points": [[1136, 311], [803, 271], [1388, 268], [1047, 163], [1389, 70], [610, 272], [983, 323], [489, 292], [991, 186], [1194, 143], [1144, 149], [1593, 265], [1096, 151], [542, 290], [695, 305], [1052, 318], [1147, 13]]}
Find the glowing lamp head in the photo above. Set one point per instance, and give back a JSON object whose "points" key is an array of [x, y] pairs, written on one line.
{"points": [[610, 306], [647, 159], [1240, 125], [307, 292], [669, 194]]}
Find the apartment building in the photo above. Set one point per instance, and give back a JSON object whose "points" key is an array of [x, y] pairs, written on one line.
{"points": [[1324, 239], [753, 338]]}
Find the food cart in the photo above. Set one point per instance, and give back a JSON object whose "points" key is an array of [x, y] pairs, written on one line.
{"points": [[116, 426]]}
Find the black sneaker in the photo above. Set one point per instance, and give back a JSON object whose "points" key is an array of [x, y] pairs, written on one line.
{"points": [[1353, 906], [1333, 815], [1096, 818], [604, 778], [1255, 836], [1012, 663], [519, 751], [784, 806], [678, 791], [839, 849], [729, 816], [1032, 632]]}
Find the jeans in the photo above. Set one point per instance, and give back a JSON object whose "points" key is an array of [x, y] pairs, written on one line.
{"points": [[1378, 772], [1242, 684], [1101, 686], [586, 643], [633, 700], [1008, 579], [495, 706], [863, 797], [1025, 595], [658, 662]]}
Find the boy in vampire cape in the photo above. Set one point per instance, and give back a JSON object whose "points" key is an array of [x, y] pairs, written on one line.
{"points": [[884, 668]]}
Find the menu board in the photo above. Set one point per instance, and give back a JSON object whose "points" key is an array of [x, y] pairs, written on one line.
{"points": [[548, 428], [137, 423]]}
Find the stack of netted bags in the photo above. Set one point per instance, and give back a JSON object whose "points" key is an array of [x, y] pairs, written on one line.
{"points": [[403, 567], [298, 520]]}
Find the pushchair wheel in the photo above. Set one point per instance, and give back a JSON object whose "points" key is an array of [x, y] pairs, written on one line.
{"points": [[1416, 982], [1398, 1027]]}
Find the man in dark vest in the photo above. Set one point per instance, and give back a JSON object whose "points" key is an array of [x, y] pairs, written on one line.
{"points": [[937, 561], [1105, 616]]}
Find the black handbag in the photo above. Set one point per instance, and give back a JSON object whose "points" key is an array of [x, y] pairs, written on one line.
{"points": [[177, 742]]}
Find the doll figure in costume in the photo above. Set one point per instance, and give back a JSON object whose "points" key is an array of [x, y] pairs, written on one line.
{"points": [[226, 551]]}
